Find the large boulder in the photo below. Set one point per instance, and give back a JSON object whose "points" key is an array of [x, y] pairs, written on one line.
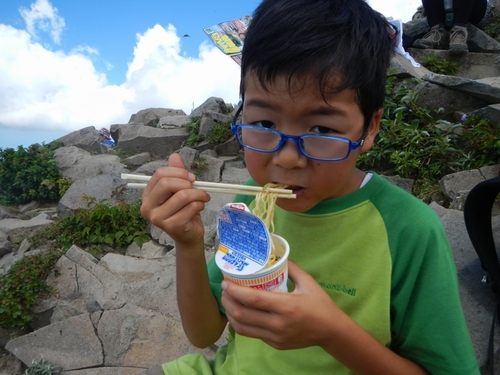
{"points": [[158, 142], [86, 139]]}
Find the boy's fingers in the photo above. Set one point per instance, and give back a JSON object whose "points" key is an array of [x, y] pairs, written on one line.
{"points": [[300, 278], [175, 160]]}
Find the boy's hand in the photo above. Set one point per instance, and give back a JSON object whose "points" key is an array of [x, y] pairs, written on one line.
{"points": [[306, 317], [170, 202]]}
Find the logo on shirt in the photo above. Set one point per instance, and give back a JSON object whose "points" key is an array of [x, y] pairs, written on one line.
{"points": [[339, 288]]}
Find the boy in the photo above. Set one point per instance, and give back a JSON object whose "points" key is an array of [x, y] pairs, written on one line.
{"points": [[374, 285]]}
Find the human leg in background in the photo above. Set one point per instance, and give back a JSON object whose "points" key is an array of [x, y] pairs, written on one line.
{"points": [[464, 12], [438, 37]]}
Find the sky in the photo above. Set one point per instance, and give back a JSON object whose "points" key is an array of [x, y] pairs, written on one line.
{"points": [[66, 65]]}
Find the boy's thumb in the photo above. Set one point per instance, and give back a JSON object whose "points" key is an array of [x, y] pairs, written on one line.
{"points": [[175, 160]]}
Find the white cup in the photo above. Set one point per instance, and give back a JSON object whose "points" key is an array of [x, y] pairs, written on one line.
{"points": [[271, 278]]}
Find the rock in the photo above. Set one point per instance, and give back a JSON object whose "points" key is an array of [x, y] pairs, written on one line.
{"points": [[87, 139], [28, 207], [5, 213], [5, 247], [173, 121], [158, 142], [211, 118], [111, 188], [149, 250], [77, 164], [138, 160], [151, 116], [212, 104], [18, 229], [70, 344]]}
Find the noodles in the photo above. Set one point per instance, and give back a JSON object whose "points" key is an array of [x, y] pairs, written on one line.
{"points": [[264, 209], [264, 205]]}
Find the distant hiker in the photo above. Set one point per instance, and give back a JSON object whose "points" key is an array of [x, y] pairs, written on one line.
{"points": [[105, 137]]}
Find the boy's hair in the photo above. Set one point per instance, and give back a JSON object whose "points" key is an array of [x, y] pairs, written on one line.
{"points": [[337, 44]]}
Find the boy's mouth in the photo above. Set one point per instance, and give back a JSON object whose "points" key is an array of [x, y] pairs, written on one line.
{"points": [[295, 188]]}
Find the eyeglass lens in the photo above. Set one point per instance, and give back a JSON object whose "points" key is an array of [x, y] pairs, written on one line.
{"points": [[262, 139]]}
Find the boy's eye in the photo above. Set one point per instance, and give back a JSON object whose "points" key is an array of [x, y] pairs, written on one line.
{"points": [[265, 124], [322, 130]]}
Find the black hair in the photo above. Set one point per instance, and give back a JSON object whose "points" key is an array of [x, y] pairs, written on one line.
{"points": [[344, 43]]}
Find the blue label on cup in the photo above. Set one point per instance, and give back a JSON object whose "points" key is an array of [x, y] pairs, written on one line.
{"points": [[244, 240]]}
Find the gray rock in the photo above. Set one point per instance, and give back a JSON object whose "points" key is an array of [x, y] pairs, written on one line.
{"points": [[111, 189], [158, 142], [211, 118], [138, 159], [86, 139], [5, 213], [149, 250], [173, 121], [213, 170], [470, 87], [70, 344], [212, 104], [151, 116], [435, 96], [149, 169], [5, 247], [230, 147], [77, 164], [28, 207], [18, 229]]}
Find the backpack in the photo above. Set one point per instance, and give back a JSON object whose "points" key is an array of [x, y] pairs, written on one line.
{"points": [[477, 215]]}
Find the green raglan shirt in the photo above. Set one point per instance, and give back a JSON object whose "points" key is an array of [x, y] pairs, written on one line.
{"points": [[384, 259]]}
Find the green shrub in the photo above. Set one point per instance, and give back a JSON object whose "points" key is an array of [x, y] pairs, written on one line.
{"points": [[102, 223], [480, 142], [440, 65], [198, 165], [193, 128], [116, 226], [219, 133], [42, 367], [22, 285], [411, 143], [30, 174]]}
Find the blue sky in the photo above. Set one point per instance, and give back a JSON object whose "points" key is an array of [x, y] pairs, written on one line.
{"points": [[66, 64]]}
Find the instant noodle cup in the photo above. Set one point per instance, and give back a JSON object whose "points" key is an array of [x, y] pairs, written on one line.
{"points": [[247, 253], [272, 277]]}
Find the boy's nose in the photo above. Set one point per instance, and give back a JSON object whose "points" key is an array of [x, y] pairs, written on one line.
{"points": [[289, 156]]}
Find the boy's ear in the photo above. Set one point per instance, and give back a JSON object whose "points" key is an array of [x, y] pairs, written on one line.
{"points": [[372, 131]]}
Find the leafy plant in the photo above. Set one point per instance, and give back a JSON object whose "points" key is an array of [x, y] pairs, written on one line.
{"points": [[193, 128], [219, 133], [102, 223], [480, 141], [493, 27], [440, 65], [42, 367], [411, 143], [122, 153], [22, 285], [198, 165], [30, 174]]}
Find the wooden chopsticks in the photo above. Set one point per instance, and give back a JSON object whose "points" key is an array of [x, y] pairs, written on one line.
{"points": [[214, 187]]}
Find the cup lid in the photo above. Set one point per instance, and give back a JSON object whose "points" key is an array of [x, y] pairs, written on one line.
{"points": [[244, 240]]}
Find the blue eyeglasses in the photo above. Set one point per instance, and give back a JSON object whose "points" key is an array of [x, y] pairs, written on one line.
{"points": [[313, 146]]}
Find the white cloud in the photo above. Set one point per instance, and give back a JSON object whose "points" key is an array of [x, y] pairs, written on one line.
{"points": [[397, 9], [43, 16], [57, 90], [47, 89]]}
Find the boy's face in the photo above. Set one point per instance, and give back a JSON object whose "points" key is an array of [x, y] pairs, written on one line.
{"points": [[300, 111]]}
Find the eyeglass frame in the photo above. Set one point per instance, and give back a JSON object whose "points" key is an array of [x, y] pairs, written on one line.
{"points": [[296, 139]]}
